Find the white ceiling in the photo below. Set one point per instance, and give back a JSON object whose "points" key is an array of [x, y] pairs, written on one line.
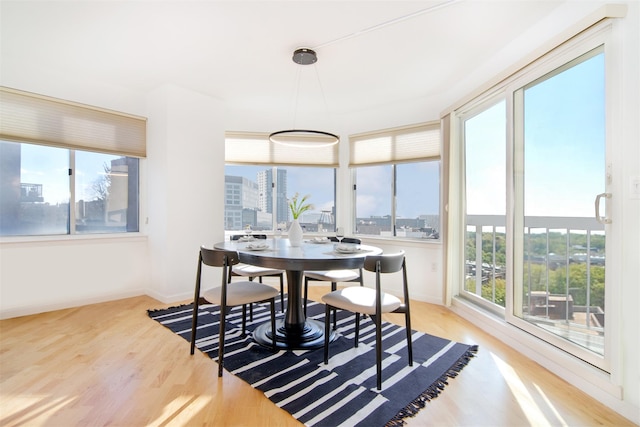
{"points": [[371, 54]]}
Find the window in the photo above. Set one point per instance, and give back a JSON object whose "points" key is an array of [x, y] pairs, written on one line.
{"points": [[67, 168], [264, 192], [266, 175], [37, 192], [106, 188], [485, 133], [397, 174]]}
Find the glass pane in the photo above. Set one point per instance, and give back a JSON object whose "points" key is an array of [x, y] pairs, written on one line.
{"points": [[319, 185], [418, 200], [34, 189], [563, 286], [106, 193], [373, 200], [485, 175], [254, 198]]}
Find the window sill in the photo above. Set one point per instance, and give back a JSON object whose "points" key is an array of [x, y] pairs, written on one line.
{"points": [[7, 240], [399, 240]]}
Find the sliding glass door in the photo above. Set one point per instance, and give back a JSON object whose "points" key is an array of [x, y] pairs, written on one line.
{"points": [[536, 189], [484, 131], [559, 170]]}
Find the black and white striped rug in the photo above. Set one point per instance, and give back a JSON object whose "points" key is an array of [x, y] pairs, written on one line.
{"points": [[342, 393]]}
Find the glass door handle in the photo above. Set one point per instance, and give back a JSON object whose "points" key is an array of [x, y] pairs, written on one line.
{"points": [[601, 219]]}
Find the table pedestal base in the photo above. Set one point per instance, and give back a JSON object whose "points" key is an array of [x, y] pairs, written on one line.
{"points": [[311, 336]]}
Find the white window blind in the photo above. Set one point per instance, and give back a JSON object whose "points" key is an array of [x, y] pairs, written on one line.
{"points": [[405, 144], [28, 117], [251, 148]]}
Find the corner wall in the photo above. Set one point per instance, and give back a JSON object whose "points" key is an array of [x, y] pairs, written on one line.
{"points": [[185, 186]]}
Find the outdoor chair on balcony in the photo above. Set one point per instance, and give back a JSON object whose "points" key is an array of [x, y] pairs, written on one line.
{"points": [[252, 271], [333, 276], [374, 302], [228, 295]]}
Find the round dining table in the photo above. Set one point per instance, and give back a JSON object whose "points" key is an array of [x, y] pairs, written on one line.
{"points": [[296, 331]]}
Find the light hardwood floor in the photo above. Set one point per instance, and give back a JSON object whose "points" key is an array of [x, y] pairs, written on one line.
{"points": [[110, 364]]}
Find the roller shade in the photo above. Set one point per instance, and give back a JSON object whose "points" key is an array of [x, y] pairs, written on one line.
{"points": [[405, 144], [28, 117], [251, 148]]}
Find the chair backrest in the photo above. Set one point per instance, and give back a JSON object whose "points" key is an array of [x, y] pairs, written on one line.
{"points": [[216, 257], [346, 240], [240, 236], [389, 263]]}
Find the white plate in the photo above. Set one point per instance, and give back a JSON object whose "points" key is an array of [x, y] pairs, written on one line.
{"points": [[319, 241], [253, 247], [347, 249]]}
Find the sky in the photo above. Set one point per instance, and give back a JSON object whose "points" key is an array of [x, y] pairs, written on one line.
{"points": [[564, 147], [50, 166]]}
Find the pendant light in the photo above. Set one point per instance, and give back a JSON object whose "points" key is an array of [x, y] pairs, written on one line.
{"points": [[304, 137]]}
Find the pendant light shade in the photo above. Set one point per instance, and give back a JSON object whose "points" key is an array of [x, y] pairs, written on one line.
{"points": [[304, 137]]}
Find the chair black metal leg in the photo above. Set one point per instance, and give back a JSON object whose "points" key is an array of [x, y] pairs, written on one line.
{"points": [[251, 305], [334, 287], [282, 294], [409, 342], [221, 340], [357, 335], [378, 321], [273, 324], [244, 319], [194, 324], [327, 314]]}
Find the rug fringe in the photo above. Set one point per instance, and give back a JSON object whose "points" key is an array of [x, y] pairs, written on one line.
{"points": [[150, 311], [412, 409]]}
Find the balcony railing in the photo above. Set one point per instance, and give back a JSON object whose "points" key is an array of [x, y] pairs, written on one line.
{"points": [[563, 273]]}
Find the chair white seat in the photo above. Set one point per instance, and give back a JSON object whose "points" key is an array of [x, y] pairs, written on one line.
{"points": [[247, 270], [240, 293], [360, 299], [333, 275]]}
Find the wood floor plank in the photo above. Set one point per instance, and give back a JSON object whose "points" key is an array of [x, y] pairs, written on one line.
{"points": [[110, 364]]}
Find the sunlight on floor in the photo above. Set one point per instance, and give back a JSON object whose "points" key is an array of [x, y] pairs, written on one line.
{"points": [[561, 422], [31, 409], [526, 401], [181, 410]]}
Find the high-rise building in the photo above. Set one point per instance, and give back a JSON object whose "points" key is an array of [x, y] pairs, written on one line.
{"points": [[266, 185], [240, 203]]}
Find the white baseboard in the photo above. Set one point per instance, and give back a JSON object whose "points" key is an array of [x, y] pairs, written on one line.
{"points": [[8, 313], [170, 299]]}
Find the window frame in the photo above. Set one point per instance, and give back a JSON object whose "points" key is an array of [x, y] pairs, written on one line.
{"points": [[417, 143], [394, 202], [71, 231]]}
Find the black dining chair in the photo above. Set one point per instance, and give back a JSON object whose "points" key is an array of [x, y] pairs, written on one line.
{"points": [[228, 296], [373, 302], [333, 276], [252, 271]]}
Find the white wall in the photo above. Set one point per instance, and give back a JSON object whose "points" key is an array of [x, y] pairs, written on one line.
{"points": [[61, 273], [185, 186], [424, 269]]}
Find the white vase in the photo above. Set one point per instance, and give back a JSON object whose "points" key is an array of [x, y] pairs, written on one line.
{"points": [[295, 233]]}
